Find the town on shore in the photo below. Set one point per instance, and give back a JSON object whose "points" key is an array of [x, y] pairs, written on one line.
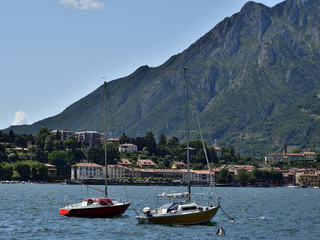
{"points": [[78, 157]]}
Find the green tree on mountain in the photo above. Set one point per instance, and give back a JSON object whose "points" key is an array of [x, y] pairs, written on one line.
{"points": [[125, 139], [60, 160], [162, 149], [41, 137], [151, 143], [174, 148], [71, 144]]}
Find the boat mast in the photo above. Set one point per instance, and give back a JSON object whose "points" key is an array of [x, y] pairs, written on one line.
{"points": [[187, 131], [105, 142]]}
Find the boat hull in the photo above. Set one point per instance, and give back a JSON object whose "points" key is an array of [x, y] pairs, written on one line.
{"points": [[188, 218], [99, 211]]}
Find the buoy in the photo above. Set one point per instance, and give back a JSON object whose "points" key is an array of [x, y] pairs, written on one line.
{"points": [[221, 231]]}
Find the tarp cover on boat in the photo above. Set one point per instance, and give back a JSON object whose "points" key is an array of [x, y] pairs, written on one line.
{"points": [[174, 195], [101, 201]]}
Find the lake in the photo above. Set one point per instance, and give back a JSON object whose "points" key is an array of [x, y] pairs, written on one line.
{"points": [[31, 211]]}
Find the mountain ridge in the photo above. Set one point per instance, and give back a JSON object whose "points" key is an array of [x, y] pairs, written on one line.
{"points": [[254, 78]]}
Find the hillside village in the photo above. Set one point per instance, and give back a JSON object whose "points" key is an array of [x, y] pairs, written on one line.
{"points": [[133, 163]]}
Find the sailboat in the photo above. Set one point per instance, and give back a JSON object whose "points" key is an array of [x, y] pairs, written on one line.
{"points": [[97, 207], [180, 212]]}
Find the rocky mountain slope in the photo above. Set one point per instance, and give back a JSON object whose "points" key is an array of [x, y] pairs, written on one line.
{"points": [[255, 85]]}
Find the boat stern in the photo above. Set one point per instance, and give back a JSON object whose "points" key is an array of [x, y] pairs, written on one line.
{"points": [[142, 219]]}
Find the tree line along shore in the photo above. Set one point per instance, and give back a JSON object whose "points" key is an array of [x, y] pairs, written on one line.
{"points": [[28, 158]]}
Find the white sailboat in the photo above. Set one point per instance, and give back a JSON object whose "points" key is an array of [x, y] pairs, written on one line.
{"points": [[185, 211]]}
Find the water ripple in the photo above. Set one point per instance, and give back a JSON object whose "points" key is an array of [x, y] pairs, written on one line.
{"points": [[30, 211]]}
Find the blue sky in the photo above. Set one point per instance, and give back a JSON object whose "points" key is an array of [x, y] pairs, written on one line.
{"points": [[55, 52]]}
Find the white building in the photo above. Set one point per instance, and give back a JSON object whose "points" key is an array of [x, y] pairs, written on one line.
{"points": [[85, 171], [201, 175], [128, 147], [269, 158], [90, 138], [64, 134], [309, 155], [118, 171]]}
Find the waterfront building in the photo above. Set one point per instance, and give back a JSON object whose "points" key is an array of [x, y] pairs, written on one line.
{"points": [[304, 176], [135, 172], [118, 171], [309, 180], [201, 175], [87, 171], [175, 174], [52, 170]]}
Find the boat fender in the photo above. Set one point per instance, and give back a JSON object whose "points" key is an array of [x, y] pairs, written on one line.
{"points": [[221, 231]]}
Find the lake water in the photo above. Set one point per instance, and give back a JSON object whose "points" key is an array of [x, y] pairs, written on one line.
{"points": [[31, 211]]}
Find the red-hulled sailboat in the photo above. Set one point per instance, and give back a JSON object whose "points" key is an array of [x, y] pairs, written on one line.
{"points": [[97, 207]]}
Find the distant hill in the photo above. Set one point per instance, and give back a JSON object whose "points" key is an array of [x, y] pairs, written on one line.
{"points": [[255, 83]]}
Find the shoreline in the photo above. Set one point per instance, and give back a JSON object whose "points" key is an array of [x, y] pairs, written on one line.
{"points": [[69, 182]]}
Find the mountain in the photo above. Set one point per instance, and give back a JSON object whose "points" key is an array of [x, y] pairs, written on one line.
{"points": [[255, 85]]}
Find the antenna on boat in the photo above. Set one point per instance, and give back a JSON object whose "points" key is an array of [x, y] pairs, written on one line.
{"points": [[187, 131], [105, 141]]}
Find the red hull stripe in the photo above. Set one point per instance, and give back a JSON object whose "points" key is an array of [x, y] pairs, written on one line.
{"points": [[64, 211]]}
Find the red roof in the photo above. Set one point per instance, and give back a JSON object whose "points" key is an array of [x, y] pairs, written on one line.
{"points": [[86, 165], [128, 144], [124, 162], [145, 162], [51, 167]]}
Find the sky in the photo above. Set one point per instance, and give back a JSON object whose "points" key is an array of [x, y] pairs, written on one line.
{"points": [[55, 52]]}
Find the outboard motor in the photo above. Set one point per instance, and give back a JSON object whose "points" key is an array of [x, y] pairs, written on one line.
{"points": [[147, 212]]}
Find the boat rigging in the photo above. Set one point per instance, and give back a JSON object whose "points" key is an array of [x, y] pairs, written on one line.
{"points": [[180, 212], [97, 207]]}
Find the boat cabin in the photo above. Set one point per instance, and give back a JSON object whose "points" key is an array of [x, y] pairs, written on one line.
{"points": [[179, 207], [96, 201]]}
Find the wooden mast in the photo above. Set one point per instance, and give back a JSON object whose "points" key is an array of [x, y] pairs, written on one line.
{"points": [[105, 142]]}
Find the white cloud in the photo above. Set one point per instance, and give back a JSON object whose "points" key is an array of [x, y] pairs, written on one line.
{"points": [[82, 4], [20, 118]]}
